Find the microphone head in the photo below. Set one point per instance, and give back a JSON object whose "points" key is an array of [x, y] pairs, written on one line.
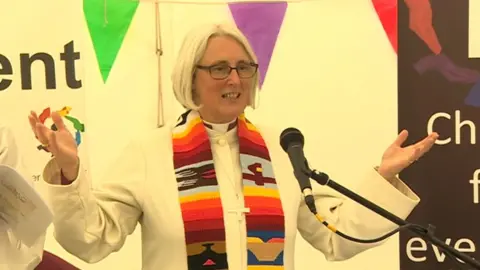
{"points": [[291, 136]]}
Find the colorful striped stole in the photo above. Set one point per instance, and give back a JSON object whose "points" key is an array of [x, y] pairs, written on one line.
{"points": [[200, 202]]}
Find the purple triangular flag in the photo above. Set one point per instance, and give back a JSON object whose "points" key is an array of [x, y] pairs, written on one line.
{"points": [[260, 23]]}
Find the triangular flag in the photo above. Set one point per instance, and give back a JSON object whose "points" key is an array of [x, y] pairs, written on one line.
{"points": [[209, 262], [108, 22], [260, 23], [387, 13]]}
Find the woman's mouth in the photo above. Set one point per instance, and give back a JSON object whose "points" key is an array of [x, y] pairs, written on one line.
{"points": [[231, 95]]}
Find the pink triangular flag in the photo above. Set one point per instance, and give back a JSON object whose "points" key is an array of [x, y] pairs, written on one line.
{"points": [[209, 262], [260, 23]]}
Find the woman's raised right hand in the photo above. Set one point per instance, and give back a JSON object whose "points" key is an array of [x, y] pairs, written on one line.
{"points": [[60, 143]]}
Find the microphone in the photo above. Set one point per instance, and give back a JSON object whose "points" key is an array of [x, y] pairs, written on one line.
{"points": [[292, 141]]}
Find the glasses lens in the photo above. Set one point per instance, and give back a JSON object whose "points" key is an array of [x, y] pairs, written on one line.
{"points": [[220, 71], [246, 70]]}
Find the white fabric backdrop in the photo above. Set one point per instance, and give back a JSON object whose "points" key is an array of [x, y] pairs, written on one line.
{"points": [[332, 75]]}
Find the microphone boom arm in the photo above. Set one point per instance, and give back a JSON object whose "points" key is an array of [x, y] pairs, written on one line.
{"points": [[427, 234]]}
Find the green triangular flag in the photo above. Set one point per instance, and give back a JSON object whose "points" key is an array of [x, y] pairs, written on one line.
{"points": [[108, 22]]}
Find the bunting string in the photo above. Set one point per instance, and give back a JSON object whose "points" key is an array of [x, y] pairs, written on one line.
{"points": [[218, 2]]}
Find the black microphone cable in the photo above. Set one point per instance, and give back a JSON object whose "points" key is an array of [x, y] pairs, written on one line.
{"points": [[411, 226]]}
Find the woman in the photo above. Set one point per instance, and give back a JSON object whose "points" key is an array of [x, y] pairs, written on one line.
{"points": [[13, 253], [214, 191]]}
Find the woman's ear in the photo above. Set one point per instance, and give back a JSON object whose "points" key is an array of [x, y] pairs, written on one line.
{"points": [[195, 96]]}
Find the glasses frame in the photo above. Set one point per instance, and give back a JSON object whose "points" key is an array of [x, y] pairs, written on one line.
{"points": [[209, 69]]}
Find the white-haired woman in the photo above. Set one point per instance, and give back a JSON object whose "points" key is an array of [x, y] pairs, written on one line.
{"points": [[213, 191]]}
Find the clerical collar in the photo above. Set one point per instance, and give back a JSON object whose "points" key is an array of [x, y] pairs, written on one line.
{"points": [[225, 127]]}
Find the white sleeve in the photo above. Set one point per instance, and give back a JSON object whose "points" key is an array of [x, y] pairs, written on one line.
{"points": [[354, 219], [92, 223]]}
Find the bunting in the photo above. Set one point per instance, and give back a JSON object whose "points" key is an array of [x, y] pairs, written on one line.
{"points": [[260, 22], [387, 13], [108, 23]]}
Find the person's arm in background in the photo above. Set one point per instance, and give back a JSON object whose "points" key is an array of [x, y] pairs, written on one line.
{"points": [[13, 253], [420, 22]]}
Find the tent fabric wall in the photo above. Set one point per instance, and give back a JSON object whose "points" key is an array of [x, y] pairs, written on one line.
{"points": [[332, 74]]}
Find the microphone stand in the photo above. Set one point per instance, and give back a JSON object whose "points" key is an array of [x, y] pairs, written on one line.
{"points": [[427, 234]]}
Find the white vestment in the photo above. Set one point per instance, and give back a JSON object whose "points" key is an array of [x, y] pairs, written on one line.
{"points": [[141, 188]]}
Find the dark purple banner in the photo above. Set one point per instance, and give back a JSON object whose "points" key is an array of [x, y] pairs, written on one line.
{"points": [[439, 90]]}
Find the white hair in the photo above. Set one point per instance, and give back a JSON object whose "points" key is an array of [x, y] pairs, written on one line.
{"points": [[192, 51]]}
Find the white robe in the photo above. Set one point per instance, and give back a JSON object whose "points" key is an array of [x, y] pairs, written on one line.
{"points": [[141, 187], [14, 254]]}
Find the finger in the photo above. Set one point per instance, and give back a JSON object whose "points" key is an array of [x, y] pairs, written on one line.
{"points": [[33, 124], [417, 153], [472, 77], [426, 144], [42, 133], [34, 115], [430, 139], [449, 76], [465, 74], [430, 142], [57, 120], [53, 146], [401, 138]]}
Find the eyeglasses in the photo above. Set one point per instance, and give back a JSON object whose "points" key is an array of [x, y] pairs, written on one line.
{"points": [[222, 71]]}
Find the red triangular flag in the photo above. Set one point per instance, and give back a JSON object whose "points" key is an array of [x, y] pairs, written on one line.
{"points": [[387, 13]]}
